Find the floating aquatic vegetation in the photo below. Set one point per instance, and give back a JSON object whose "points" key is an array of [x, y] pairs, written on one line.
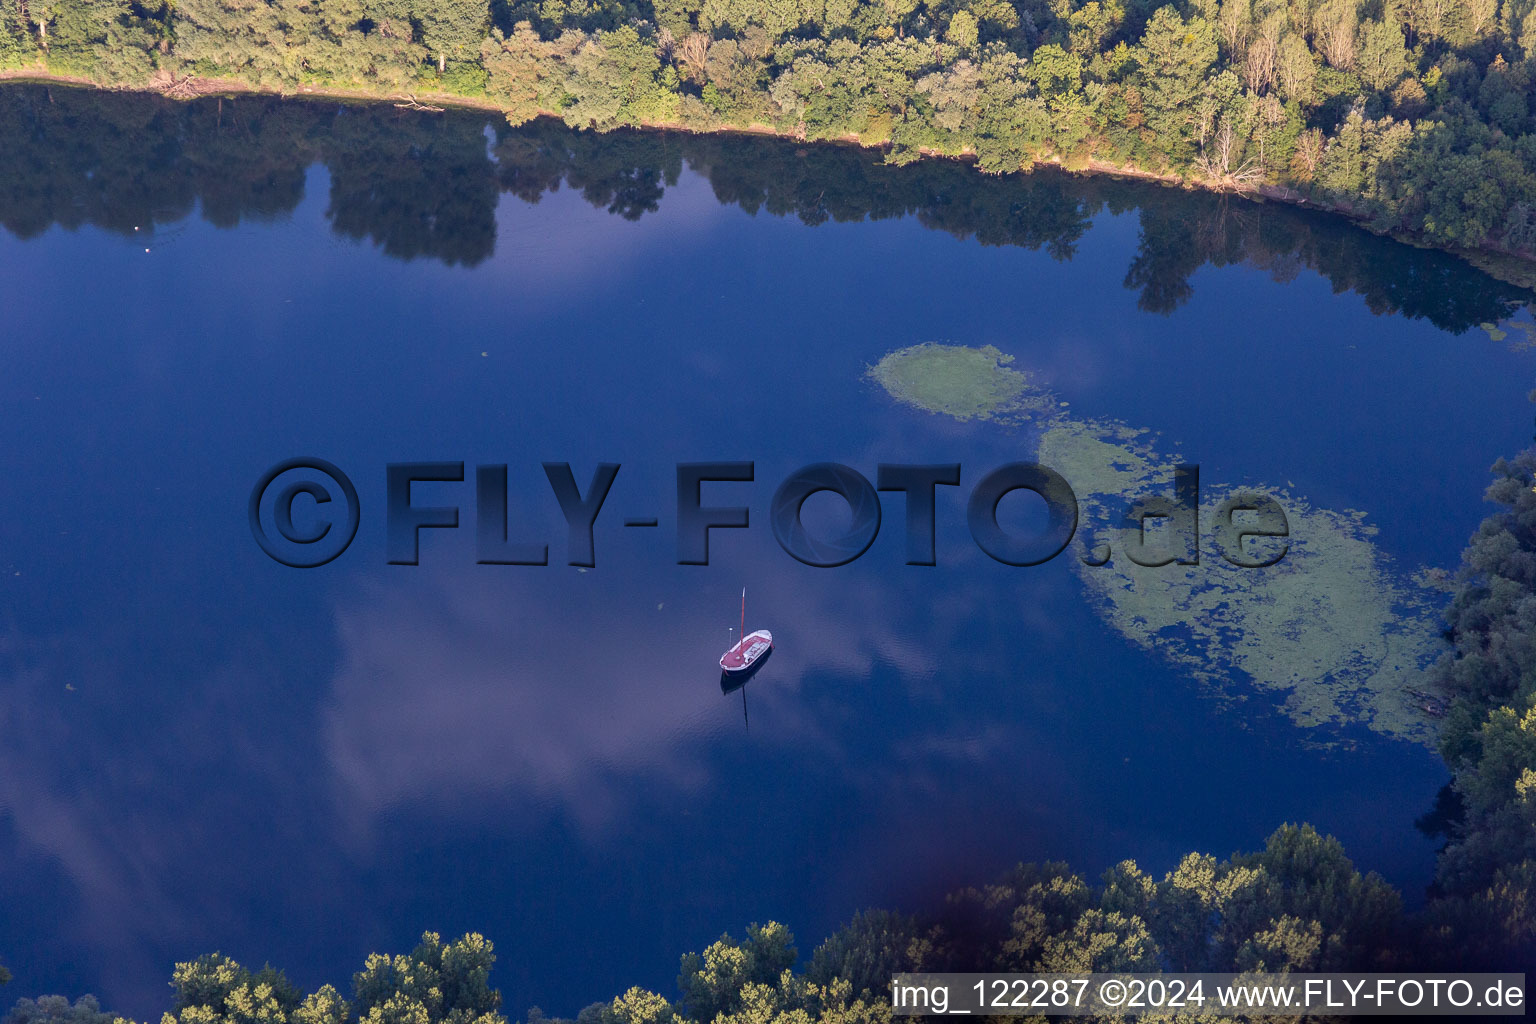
{"points": [[1334, 631], [1525, 331], [959, 381]]}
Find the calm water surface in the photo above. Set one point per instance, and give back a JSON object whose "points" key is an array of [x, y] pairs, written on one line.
{"points": [[202, 749]]}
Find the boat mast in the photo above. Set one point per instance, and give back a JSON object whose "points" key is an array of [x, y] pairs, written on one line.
{"points": [[743, 632]]}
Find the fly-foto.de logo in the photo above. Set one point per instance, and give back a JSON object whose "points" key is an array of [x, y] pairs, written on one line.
{"points": [[304, 512]]}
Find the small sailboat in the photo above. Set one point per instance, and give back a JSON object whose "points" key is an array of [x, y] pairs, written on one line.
{"points": [[747, 651]]}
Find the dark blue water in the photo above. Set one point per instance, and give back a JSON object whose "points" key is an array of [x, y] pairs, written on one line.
{"points": [[203, 749]]}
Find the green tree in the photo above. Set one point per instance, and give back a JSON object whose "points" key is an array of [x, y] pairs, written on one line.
{"points": [[1296, 68], [1383, 57], [714, 982], [213, 989], [1175, 56], [618, 78], [1100, 941], [525, 74], [869, 949], [1092, 24], [57, 1010], [453, 29], [963, 30], [437, 982]]}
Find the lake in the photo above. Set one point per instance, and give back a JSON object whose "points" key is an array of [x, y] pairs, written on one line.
{"points": [[202, 748]]}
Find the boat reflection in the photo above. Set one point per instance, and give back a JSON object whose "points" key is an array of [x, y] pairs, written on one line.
{"points": [[730, 682]]}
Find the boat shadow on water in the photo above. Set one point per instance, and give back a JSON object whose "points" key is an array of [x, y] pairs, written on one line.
{"points": [[730, 682]]}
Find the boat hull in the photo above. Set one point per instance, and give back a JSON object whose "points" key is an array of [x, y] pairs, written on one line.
{"points": [[746, 653]]}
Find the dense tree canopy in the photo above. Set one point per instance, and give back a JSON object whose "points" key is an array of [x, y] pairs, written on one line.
{"points": [[58, 1010], [1414, 114], [1487, 871], [1296, 905], [436, 983]]}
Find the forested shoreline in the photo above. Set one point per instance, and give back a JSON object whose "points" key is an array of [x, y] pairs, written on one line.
{"points": [[1411, 115], [1299, 904]]}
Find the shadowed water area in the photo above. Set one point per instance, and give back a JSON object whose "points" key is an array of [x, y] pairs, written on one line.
{"points": [[203, 749]]}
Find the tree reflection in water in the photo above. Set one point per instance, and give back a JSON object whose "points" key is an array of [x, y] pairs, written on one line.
{"points": [[426, 185]]}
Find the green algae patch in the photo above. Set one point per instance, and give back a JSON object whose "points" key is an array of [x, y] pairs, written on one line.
{"points": [[959, 381], [1521, 334], [1333, 632]]}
